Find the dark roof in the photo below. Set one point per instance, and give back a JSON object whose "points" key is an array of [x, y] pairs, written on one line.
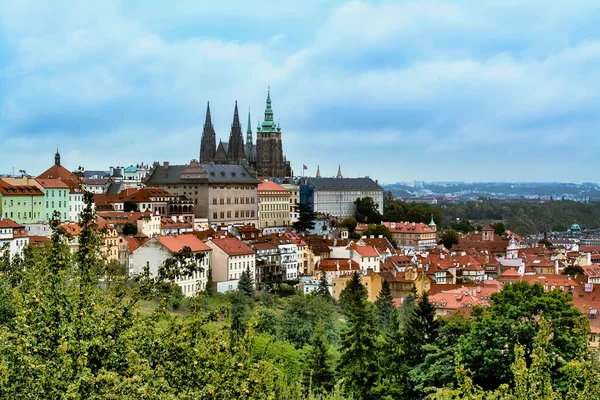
{"points": [[95, 181], [115, 188], [345, 183], [222, 173], [96, 174], [217, 173]]}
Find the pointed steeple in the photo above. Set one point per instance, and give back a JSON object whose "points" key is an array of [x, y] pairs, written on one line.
{"points": [[269, 112], [235, 151], [57, 157], [249, 130], [432, 223], [339, 174], [318, 172], [236, 117], [208, 121], [208, 144]]}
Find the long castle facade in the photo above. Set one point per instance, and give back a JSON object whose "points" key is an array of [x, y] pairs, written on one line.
{"points": [[265, 158]]}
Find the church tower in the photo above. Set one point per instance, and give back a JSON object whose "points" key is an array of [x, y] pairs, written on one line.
{"points": [[208, 145], [236, 141], [269, 157]]}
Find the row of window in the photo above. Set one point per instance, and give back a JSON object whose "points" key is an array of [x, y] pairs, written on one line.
{"points": [[61, 193], [29, 215], [274, 207], [234, 187], [238, 214], [236, 200], [31, 203]]}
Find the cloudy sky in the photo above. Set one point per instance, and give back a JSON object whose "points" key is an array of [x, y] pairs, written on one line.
{"points": [[402, 90]]}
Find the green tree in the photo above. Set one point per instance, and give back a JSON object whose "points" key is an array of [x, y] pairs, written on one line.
{"points": [[306, 218], [499, 228], [384, 307], [379, 230], [511, 320], [358, 365], [323, 288], [350, 223], [367, 211], [209, 289], [449, 238], [129, 229], [246, 284], [318, 369], [573, 270], [130, 206], [299, 319]]}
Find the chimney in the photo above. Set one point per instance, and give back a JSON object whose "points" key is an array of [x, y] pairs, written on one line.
{"points": [[337, 265], [555, 266], [166, 164]]}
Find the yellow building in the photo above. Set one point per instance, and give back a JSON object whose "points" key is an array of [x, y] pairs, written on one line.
{"points": [[273, 205], [372, 281]]}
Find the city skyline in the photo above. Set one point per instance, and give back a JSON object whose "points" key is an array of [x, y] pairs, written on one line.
{"points": [[399, 91]]}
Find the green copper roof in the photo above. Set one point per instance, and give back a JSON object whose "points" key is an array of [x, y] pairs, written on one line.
{"points": [[131, 168], [249, 130], [575, 227], [268, 125], [432, 223]]}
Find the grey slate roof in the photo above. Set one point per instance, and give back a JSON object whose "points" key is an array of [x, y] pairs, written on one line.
{"points": [[344, 184], [97, 174], [233, 173], [162, 176], [217, 173], [115, 188]]}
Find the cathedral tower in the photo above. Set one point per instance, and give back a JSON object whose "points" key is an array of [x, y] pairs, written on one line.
{"points": [[208, 145], [269, 157], [235, 151]]}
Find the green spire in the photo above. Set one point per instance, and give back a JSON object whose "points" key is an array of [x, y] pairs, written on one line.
{"points": [[249, 130], [432, 223]]}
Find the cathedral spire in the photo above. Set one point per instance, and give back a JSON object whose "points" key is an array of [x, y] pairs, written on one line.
{"points": [[236, 117], [208, 122], [318, 172], [339, 174], [269, 110], [208, 143], [235, 150], [249, 130]]}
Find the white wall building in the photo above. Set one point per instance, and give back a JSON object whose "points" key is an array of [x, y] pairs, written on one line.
{"points": [[13, 237], [154, 252], [230, 257], [289, 260], [336, 196]]}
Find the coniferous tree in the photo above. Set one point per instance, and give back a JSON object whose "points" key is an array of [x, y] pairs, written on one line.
{"points": [[306, 218], [246, 284], [209, 290], [318, 367], [323, 288], [358, 364], [384, 307]]}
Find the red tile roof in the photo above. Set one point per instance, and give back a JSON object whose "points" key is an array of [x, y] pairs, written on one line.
{"points": [[52, 183], [233, 246], [365, 251], [269, 186], [19, 190], [408, 227], [176, 243], [60, 172], [334, 264]]}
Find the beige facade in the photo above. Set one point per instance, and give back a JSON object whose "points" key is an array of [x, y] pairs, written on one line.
{"points": [[294, 200], [274, 205], [224, 194], [229, 258]]}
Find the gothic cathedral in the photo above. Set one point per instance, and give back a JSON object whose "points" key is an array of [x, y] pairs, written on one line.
{"points": [[265, 159]]}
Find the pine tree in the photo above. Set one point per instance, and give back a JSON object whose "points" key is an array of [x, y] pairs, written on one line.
{"points": [[318, 368], [246, 284], [352, 295], [306, 218], [384, 307], [209, 290], [323, 288], [358, 361]]}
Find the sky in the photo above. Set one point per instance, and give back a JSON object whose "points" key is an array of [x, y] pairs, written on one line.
{"points": [[395, 90]]}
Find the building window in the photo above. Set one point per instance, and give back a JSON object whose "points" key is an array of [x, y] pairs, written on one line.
{"points": [[214, 215], [228, 214], [222, 215]]}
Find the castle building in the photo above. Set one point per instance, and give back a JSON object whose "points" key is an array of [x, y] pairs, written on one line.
{"points": [[265, 158]]}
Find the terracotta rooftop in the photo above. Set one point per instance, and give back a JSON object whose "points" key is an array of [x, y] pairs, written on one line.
{"points": [[176, 243], [233, 246]]}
